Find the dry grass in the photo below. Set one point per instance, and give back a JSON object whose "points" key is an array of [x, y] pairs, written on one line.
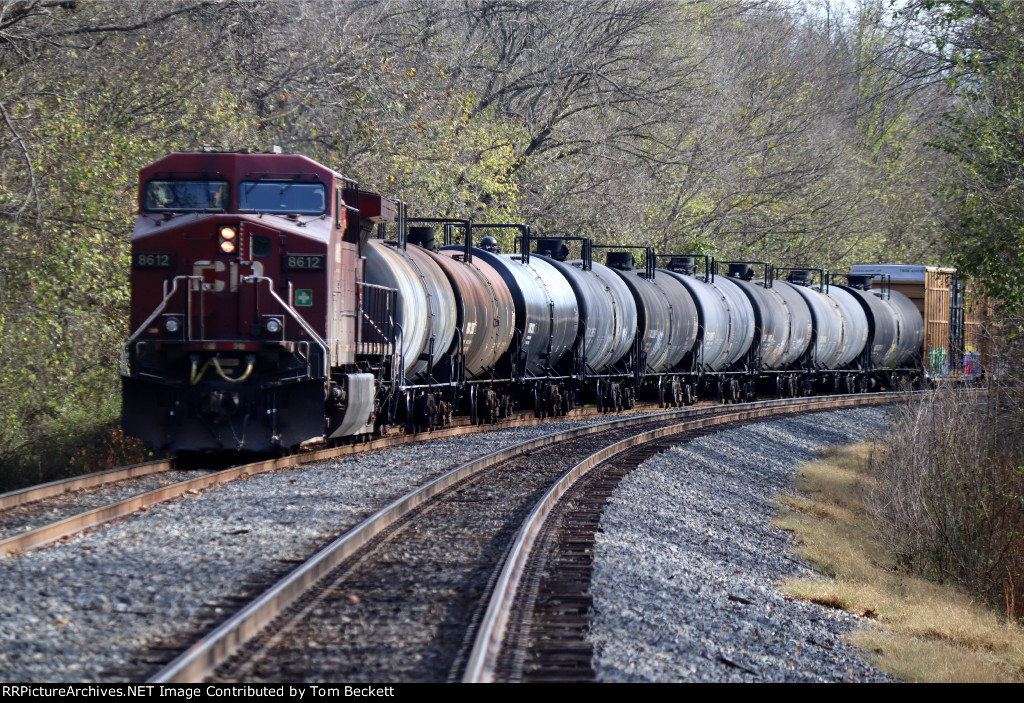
{"points": [[922, 631]]}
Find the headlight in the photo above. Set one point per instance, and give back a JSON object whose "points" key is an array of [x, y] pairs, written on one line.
{"points": [[227, 240], [273, 326], [172, 325]]}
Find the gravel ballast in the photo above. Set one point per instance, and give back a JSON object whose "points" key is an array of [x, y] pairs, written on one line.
{"points": [[687, 563], [116, 602], [29, 516]]}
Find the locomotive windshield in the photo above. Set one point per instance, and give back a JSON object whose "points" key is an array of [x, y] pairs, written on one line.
{"points": [[283, 197], [186, 196]]}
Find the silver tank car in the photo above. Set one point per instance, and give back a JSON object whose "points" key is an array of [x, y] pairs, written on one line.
{"points": [[742, 324], [771, 315], [545, 307], [666, 314], [801, 322], [827, 318], [855, 324], [425, 311], [712, 313], [909, 325], [882, 321], [607, 311]]}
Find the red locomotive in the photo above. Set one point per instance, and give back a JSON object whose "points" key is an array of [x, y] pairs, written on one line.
{"points": [[249, 310]]}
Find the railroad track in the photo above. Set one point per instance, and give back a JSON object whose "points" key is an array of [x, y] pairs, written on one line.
{"points": [[39, 515], [422, 590]]}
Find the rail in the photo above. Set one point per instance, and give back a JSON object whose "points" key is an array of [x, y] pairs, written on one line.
{"points": [[207, 653], [488, 644]]}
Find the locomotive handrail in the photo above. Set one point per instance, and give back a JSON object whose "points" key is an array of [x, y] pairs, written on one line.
{"points": [[153, 315], [296, 316]]}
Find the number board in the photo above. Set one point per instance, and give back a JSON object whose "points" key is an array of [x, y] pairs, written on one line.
{"points": [[305, 262], [153, 260]]}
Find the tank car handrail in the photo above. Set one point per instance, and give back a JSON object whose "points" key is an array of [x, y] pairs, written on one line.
{"points": [[363, 285], [153, 315], [296, 316], [400, 349], [466, 224]]}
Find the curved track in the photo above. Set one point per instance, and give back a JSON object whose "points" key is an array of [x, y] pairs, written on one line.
{"points": [[26, 516], [400, 595]]}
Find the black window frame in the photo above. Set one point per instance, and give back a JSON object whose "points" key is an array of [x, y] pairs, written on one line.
{"points": [[273, 181], [225, 189]]}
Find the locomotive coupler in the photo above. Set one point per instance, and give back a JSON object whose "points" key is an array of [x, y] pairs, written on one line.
{"points": [[219, 405]]}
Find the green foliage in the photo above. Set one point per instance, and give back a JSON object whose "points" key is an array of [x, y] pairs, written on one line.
{"points": [[688, 126], [986, 139], [64, 274]]}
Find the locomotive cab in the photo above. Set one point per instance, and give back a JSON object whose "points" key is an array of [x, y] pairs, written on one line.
{"points": [[247, 296]]}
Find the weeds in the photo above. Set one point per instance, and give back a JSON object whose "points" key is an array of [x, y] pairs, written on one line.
{"points": [[947, 494]]}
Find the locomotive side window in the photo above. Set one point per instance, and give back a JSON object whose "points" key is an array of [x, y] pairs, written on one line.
{"points": [[283, 197], [185, 196], [261, 246]]}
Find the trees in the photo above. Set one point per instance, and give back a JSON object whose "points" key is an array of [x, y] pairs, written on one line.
{"points": [[740, 128], [979, 47], [89, 93]]}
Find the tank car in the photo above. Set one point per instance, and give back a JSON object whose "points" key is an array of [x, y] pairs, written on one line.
{"points": [[597, 362]]}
